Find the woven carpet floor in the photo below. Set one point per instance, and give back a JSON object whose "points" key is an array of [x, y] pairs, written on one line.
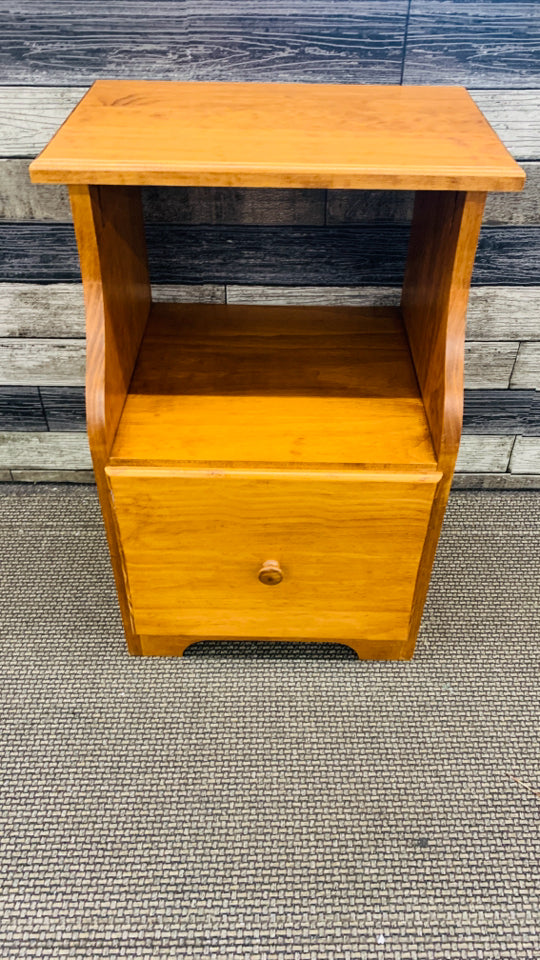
{"points": [[268, 801]]}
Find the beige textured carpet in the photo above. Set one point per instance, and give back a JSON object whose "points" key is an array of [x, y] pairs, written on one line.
{"points": [[272, 801]]}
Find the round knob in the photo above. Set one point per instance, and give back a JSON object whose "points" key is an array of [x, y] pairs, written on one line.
{"points": [[270, 573]]}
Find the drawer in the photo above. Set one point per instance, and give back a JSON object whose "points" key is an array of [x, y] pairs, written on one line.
{"points": [[272, 554]]}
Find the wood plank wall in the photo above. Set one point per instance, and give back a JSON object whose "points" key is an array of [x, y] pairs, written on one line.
{"points": [[265, 246]]}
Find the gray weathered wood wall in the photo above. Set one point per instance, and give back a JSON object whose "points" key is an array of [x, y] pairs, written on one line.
{"points": [[265, 246]]}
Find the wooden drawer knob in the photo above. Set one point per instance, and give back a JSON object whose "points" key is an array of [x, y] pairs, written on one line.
{"points": [[271, 573]]}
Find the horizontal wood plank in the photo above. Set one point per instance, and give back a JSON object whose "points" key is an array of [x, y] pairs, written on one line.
{"points": [[364, 206], [484, 454], [462, 481], [513, 114], [502, 412], [348, 41], [495, 313], [496, 481], [61, 362], [526, 372], [526, 455], [46, 252], [57, 309], [495, 412], [22, 200], [487, 411], [63, 408], [360, 136], [503, 313], [51, 476], [478, 42], [29, 116], [489, 364], [21, 409], [44, 451], [29, 455], [41, 362]]}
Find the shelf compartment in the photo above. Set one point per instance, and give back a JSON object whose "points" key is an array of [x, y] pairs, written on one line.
{"points": [[259, 386]]}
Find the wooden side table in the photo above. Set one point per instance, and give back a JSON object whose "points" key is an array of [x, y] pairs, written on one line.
{"points": [[274, 472]]}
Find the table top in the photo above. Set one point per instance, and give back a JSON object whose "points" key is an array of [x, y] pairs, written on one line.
{"points": [[278, 135]]}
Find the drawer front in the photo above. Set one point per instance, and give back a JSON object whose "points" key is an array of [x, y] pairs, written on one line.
{"points": [[284, 554]]}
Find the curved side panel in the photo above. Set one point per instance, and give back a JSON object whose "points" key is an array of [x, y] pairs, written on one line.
{"points": [[444, 237], [110, 237]]}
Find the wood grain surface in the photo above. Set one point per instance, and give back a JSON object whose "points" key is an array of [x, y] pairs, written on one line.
{"points": [[61, 362], [29, 116], [485, 454], [347, 41], [110, 238], [21, 410], [525, 455], [509, 412], [57, 310], [268, 385], [278, 135], [45, 451], [22, 200], [69, 451], [487, 411], [349, 545], [526, 372], [442, 249], [478, 42], [340, 256]]}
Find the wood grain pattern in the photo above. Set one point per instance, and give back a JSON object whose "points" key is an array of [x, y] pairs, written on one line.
{"points": [[489, 365], [361, 206], [52, 476], [513, 115], [21, 410], [278, 135], [22, 200], [348, 41], [230, 205], [486, 411], [502, 412], [348, 544], [339, 256], [44, 451], [64, 408], [57, 310], [478, 42], [525, 455], [443, 244], [444, 237], [495, 481], [110, 236], [40, 362], [274, 385], [30, 115], [485, 454], [61, 362], [503, 313], [526, 372], [494, 313]]}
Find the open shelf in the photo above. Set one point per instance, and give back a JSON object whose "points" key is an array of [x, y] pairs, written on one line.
{"points": [[250, 385]]}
